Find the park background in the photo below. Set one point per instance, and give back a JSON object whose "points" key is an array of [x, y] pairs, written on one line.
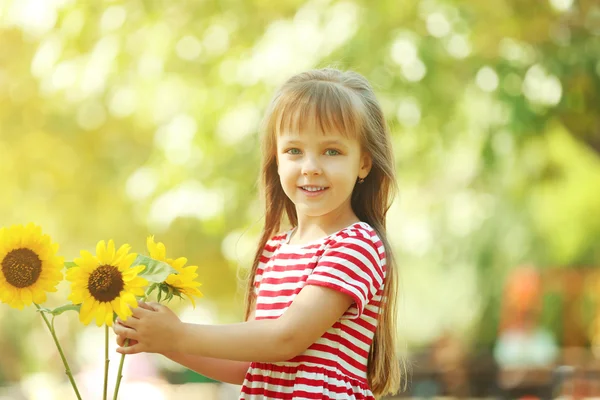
{"points": [[121, 119]]}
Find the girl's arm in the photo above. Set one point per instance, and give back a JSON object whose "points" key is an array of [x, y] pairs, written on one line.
{"points": [[228, 371], [314, 310]]}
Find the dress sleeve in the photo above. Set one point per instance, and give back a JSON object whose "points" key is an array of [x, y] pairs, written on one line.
{"points": [[354, 265]]}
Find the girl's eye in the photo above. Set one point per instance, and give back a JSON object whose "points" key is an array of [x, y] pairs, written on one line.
{"points": [[293, 151], [332, 152]]}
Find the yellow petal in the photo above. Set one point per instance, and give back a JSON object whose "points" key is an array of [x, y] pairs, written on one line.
{"points": [[137, 282], [85, 313], [137, 291], [110, 250], [126, 310], [100, 313], [116, 306], [129, 298], [101, 251], [26, 296], [150, 244], [39, 296], [127, 261], [157, 250], [122, 252], [178, 263], [109, 319], [76, 297]]}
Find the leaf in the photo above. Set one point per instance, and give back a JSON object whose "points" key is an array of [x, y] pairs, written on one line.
{"points": [[70, 264], [61, 309], [66, 307], [155, 271], [152, 288]]}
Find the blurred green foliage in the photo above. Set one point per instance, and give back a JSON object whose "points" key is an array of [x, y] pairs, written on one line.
{"points": [[121, 119]]}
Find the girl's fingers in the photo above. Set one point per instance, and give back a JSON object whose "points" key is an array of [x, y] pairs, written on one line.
{"points": [[125, 333], [132, 322], [134, 349], [139, 312], [155, 306], [121, 341], [118, 327], [145, 306]]}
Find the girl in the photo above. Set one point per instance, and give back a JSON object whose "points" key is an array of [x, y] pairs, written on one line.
{"points": [[320, 314]]}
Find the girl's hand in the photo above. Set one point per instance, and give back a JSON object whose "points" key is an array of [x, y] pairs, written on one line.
{"points": [[151, 329], [119, 327]]}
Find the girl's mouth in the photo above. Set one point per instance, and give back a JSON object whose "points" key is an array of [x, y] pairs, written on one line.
{"points": [[313, 190]]}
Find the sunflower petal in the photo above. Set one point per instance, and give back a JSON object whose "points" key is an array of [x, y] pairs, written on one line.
{"points": [[116, 306], [121, 253], [129, 299], [39, 297], [138, 281], [26, 296], [85, 312], [101, 251], [126, 261], [108, 320], [110, 250], [100, 313]]}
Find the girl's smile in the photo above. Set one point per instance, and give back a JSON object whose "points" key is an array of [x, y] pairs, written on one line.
{"points": [[313, 191]]}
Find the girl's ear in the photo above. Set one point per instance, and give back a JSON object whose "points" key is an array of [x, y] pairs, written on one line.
{"points": [[366, 163]]}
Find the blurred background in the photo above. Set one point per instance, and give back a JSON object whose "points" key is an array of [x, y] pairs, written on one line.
{"points": [[120, 119]]}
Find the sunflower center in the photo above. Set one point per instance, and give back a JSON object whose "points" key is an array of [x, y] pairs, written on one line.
{"points": [[105, 283], [21, 267]]}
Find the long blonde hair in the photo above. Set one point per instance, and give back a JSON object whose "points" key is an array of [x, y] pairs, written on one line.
{"points": [[328, 99]]}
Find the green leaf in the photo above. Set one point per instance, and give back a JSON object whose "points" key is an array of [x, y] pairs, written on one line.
{"points": [[70, 264], [61, 309], [152, 288], [155, 271], [66, 307]]}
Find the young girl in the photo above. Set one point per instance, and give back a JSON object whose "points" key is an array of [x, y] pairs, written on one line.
{"points": [[320, 316]]}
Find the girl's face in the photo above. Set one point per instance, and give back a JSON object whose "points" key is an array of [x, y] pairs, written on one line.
{"points": [[318, 172]]}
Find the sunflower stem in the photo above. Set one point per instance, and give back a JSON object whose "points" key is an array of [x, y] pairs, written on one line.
{"points": [[120, 373], [60, 350], [125, 344], [106, 362]]}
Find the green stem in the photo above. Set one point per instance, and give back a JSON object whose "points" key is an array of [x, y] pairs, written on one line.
{"points": [[60, 350], [120, 373], [106, 362]]}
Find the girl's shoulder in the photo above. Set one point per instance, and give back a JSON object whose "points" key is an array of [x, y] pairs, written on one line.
{"points": [[359, 230]]}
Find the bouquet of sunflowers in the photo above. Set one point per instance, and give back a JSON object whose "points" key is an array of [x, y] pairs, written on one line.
{"points": [[104, 285]]}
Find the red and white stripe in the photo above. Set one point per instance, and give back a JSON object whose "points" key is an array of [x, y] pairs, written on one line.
{"points": [[335, 366]]}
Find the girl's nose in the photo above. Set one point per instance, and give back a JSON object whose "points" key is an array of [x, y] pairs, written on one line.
{"points": [[311, 166]]}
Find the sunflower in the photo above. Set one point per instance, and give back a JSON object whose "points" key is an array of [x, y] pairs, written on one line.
{"points": [[29, 265], [105, 283], [184, 281]]}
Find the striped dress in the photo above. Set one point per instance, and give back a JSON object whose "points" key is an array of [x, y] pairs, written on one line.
{"points": [[351, 261]]}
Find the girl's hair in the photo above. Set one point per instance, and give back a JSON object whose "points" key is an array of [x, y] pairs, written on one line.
{"points": [[332, 100]]}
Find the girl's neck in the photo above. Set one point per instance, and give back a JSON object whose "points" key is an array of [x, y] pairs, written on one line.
{"points": [[310, 229]]}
